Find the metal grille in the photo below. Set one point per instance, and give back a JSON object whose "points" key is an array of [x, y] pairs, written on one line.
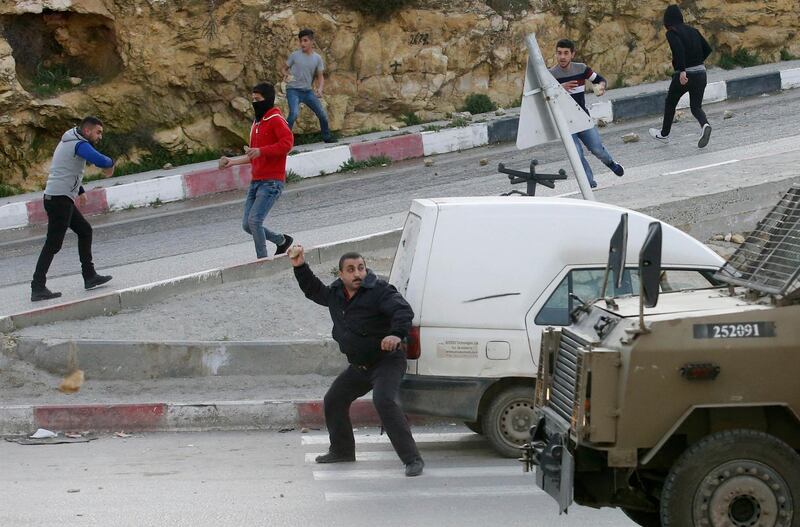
{"points": [[565, 375], [769, 259]]}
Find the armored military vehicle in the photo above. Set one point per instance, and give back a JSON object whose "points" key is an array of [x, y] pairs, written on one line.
{"points": [[680, 408]]}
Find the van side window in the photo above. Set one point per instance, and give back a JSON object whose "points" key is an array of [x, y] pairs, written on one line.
{"points": [[586, 284]]}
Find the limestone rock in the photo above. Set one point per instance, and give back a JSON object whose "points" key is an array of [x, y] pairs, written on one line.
{"points": [[737, 238], [630, 138], [727, 114]]}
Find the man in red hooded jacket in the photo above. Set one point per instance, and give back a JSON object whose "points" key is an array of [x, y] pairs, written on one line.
{"points": [[271, 140]]}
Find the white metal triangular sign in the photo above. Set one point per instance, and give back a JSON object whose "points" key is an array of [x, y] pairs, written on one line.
{"points": [[536, 124]]}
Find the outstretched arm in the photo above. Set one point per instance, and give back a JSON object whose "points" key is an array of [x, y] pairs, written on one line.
{"points": [[311, 286]]}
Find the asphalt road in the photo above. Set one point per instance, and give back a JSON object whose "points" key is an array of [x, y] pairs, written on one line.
{"points": [[270, 479], [147, 245]]}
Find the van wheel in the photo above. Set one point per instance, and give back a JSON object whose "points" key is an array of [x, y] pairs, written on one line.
{"points": [[475, 426], [735, 478], [508, 421]]}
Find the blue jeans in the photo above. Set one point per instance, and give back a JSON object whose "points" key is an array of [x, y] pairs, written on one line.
{"points": [[591, 138], [295, 96], [261, 196]]}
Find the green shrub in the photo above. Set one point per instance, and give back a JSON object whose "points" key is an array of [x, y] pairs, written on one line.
{"points": [[786, 55], [741, 58], [365, 131], [49, 81], [116, 145], [478, 103], [292, 176], [508, 6], [381, 9], [374, 161], [410, 118], [313, 137], [458, 122], [9, 190]]}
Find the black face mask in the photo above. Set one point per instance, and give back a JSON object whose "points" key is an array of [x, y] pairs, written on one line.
{"points": [[261, 108]]}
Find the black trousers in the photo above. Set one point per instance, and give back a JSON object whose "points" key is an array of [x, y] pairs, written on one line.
{"points": [[696, 88], [62, 214], [384, 381]]}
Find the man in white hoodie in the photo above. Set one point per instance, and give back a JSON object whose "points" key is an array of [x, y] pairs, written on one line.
{"points": [[63, 189]]}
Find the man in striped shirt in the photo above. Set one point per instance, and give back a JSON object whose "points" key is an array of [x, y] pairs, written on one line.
{"points": [[573, 76]]}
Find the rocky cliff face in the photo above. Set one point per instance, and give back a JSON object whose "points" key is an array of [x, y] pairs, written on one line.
{"points": [[182, 69]]}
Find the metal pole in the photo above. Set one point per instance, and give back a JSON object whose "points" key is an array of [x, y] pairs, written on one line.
{"points": [[552, 90]]}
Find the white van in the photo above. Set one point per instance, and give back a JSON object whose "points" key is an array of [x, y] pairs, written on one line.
{"points": [[486, 275]]}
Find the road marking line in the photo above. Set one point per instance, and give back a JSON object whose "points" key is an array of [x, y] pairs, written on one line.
{"points": [[426, 437], [385, 455], [450, 472], [448, 492], [728, 162]]}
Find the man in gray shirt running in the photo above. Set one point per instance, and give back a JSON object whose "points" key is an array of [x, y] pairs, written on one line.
{"points": [[302, 68]]}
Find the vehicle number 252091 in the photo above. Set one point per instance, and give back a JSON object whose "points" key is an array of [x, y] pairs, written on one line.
{"points": [[737, 330]]}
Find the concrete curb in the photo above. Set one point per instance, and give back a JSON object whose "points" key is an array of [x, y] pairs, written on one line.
{"points": [[181, 417], [135, 361], [113, 302], [404, 146]]}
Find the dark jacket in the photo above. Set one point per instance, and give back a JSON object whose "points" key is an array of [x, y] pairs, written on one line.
{"points": [[688, 46], [359, 324]]}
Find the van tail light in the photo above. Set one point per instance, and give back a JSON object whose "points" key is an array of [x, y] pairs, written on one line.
{"points": [[412, 347]]}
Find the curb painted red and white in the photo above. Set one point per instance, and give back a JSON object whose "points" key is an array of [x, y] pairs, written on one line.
{"points": [[179, 417], [324, 161]]}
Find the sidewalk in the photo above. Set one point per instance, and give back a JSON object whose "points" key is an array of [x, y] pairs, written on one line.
{"points": [[191, 181]]}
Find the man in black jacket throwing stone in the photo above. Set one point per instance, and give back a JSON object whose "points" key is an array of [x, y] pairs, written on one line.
{"points": [[370, 319], [689, 52]]}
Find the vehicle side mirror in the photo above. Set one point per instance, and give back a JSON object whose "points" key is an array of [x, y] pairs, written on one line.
{"points": [[617, 251], [650, 265]]}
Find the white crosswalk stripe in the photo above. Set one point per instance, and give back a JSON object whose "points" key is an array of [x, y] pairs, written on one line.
{"points": [[433, 493], [424, 437], [378, 472], [447, 472], [383, 455]]}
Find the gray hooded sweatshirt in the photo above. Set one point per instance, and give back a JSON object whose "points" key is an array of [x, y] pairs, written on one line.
{"points": [[66, 169]]}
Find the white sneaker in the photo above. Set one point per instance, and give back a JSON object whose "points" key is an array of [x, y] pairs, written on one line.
{"points": [[655, 133], [706, 135]]}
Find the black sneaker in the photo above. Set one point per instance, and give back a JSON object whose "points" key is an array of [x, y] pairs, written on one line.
{"points": [[705, 137], [95, 281], [333, 457], [415, 467], [331, 139], [617, 169], [287, 242], [42, 293]]}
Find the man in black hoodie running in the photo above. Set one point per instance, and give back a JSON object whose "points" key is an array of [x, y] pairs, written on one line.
{"points": [[689, 51]]}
